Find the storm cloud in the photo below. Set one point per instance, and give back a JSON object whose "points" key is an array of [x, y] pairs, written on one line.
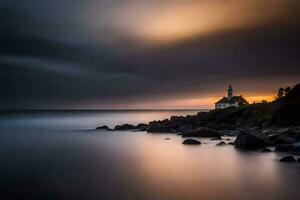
{"points": [[132, 54]]}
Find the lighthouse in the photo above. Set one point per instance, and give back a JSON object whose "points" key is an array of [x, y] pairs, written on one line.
{"points": [[229, 92]]}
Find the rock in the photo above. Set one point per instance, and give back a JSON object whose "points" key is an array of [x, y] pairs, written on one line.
{"points": [[284, 147], [266, 150], [202, 132], [177, 122], [230, 143], [288, 159], [229, 132], [142, 127], [103, 128], [185, 128], [285, 139], [221, 143], [191, 142], [298, 160], [251, 141], [159, 128], [124, 127], [268, 132], [167, 139], [274, 137]]}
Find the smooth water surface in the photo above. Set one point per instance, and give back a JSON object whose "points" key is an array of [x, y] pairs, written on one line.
{"points": [[59, 155]]}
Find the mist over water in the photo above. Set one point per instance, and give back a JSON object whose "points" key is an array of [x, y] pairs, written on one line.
{"points": [[59, 155]]}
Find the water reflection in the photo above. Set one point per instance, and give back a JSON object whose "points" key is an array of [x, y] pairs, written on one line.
{"points": [[48, 158], [170, 170]]}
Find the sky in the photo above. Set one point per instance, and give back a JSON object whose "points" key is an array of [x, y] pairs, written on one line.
{"points": [[145, 54]]}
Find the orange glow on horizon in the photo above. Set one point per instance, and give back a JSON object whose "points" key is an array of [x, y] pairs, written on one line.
{"points": [[194, 102]]}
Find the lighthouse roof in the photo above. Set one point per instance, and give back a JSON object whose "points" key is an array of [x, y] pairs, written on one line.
{"points": [[233, 100]]}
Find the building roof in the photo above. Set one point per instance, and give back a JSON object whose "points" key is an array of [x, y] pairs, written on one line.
{"points": [[234, 99]]}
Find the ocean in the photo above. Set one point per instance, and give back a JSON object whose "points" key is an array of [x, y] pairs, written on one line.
{"points": [[60, 155]]}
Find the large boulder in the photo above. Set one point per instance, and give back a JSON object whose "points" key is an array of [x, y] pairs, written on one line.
{"points": [[288, 159], [103, 128], [191, 142], [124, 127], [251, 141], [221, 144], [142, 127], [160, 128], [185, 128], [285, 139], [286, 136], [202, 132]]}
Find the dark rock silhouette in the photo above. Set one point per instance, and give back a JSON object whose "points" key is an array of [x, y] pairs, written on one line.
{"points": [[202, 132], [251, 141], [142, 127], [160, 128], [191, 142], [221, 143], [103, 128], [288, 159], [124, 127]]}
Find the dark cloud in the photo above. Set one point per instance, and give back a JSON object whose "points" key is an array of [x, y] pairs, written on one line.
{"points": [[52, 57]]}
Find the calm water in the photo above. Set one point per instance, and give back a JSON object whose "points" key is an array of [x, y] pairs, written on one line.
{"points": [[58, 155]]}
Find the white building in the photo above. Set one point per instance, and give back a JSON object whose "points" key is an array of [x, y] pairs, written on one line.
{"points": [[230, 100]]}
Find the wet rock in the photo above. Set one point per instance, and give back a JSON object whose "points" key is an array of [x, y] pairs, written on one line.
{"points": [[229, 132], [124, 127], [284, 147], [185, 128], [221, 143], [230, 143], [285, 139], [103, 128], [202, 132], [288, 159], [269, 132], [177, 122], [274, 137], [159, 128], [191, 142], [266, 150], [142, 127], [251, 141]]}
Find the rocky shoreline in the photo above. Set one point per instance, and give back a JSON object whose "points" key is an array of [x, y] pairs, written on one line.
{"points": [[256, 126]]}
